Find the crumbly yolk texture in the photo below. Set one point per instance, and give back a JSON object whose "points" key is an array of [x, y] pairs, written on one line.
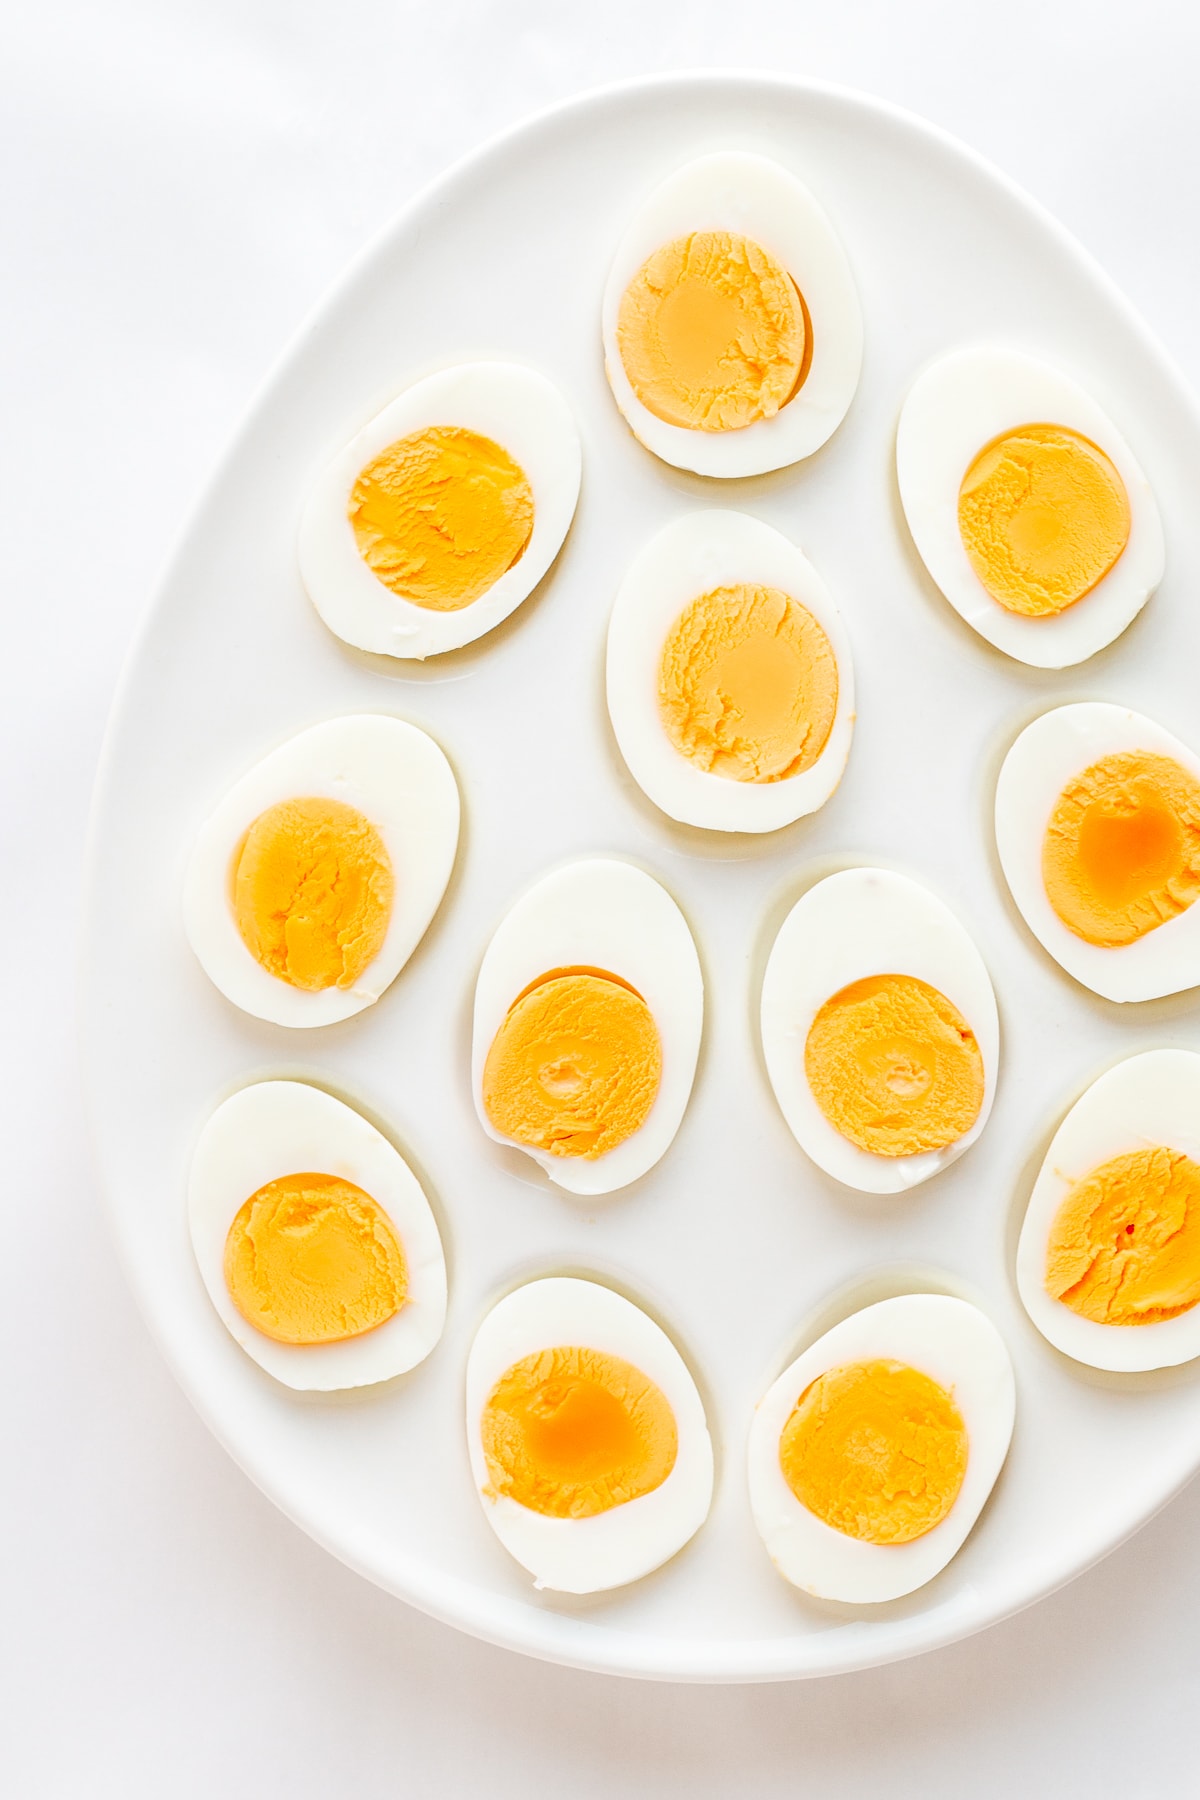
{"points": [[1043, 515], [311, 1259], [713, 333], [1121, 853], [875, 1449], [572, 1432], [312, 892], [441, 515], [894, 1066], [1124, 1247], [575, 1067], [748, 684]]}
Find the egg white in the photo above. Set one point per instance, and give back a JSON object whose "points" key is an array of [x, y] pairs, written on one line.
{"points": [[691, 556], [277, 1128], [401, 781]]}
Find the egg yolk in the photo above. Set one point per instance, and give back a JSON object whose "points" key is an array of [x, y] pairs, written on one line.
{"points": [[748, 684], [312, 1259], [1121, 853], [575, 1067], [1044, 516], [312, 892], [572, 1432], [876, 1450], [894, 1066], [441, 515], [1124, 1247], [713, 333]]}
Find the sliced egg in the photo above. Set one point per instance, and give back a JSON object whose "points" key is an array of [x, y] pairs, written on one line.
{"points": [[871, 1457], [444, 512], [314, 1239], [1108, 1263], [732, 328], [314, 880], [1026, 505], [587, 1436], [879, 1030], [1098, 831], [730, 682], [588, 1012]]}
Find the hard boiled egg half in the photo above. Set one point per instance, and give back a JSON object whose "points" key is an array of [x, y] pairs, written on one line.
{"points": [[730, 683], [871, 1457], [732, 329], [444, 512], [587, 1436], [1108, 1264], [1026, 505], [879, 1030], [588, 1012], [1098, 830], [314, 1239], [314, 880]]}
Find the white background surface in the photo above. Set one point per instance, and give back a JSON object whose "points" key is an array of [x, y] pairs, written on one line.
{"points": [[180, 184]]}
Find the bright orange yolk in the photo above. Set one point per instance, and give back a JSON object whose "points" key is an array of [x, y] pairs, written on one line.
{"points": [[571, 1432], [1121, 853], [876, 1450], [894, 1066], [312, 892], [575, 1067], [440, 516], [1044, 516], [748, 684], [712, 333], [311, 1259], [1124, 1246]]}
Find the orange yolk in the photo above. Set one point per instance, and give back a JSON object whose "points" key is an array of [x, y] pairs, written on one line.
{"points": [[894, 1066], [876, 1450], [311, 1259], [1121, 853], [575, 1067], [748, 684], [571, 1432], [1124, 1246], [312, 892], [1044, 516], [712, 333], [440, 516]]}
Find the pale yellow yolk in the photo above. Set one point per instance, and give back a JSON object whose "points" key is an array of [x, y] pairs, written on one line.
{"points": [[1044, 516], [712, 333], [894, 1066], [748, 684], [312, 892], [575, 1067], [311, 1259], [440, 516], [876, 1450], [1121, 853], [571, 1432], [1124, 1247]]}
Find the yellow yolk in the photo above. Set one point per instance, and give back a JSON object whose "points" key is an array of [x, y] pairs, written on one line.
{"points": [[748, 684], [575, 1067], [440, 516], [712, 333], [1121, 853], [894, 1066], [312, 892], [1124, 1247], [571, 1433], [876, 1450], [1044, 516], [311, 1259]]}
